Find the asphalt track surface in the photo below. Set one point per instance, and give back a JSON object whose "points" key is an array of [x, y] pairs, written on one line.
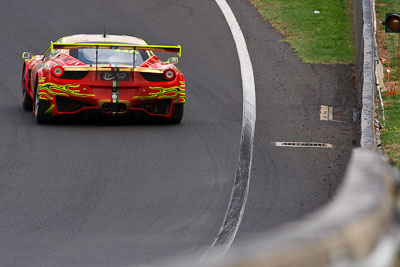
{"points": [[112, 194]]}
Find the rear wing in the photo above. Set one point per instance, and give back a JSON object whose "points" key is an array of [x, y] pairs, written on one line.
{"points": [[158, 48], [106, 68]]}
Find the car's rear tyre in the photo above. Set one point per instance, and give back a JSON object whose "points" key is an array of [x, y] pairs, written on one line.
{"points": [[27, 103], [41, 106], [177, 113]]}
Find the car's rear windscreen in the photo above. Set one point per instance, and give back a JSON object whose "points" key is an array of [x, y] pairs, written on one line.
{"points": [[110, 56]]}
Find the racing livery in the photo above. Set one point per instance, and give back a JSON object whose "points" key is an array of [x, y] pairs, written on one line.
{"points": [[110, 74]]}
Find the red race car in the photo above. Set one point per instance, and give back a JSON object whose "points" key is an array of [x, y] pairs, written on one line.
{"points": [[110, 74]]}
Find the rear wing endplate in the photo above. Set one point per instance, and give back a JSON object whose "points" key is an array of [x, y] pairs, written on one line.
{"points": [[158, 48]]}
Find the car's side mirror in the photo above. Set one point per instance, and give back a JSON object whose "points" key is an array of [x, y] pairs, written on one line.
{"points": [[27, 55], [173, 60]]}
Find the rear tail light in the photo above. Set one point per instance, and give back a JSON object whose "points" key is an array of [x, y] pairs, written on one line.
{"points": [[169, 74], [57, 71]]}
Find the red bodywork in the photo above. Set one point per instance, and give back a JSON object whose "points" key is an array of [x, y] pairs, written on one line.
{"points": [[77, 91]]}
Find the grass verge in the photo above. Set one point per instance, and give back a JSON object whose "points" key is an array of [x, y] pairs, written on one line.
{"points": [[387, 49], [320, 31], [390, 135], [387, 42]]}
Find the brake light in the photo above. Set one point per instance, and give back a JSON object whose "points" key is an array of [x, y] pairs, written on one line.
{"points": [[169, 74], [57, 71]]}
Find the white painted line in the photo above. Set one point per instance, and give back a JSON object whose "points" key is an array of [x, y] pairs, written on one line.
{"points": [[303, 144], [240, 190]]}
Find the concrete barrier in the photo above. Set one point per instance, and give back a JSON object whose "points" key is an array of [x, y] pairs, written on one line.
{"points": [[365, 56]]}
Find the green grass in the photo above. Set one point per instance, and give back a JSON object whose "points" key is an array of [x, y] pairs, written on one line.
{"points": [[326, 37], [390, 39], [390, 135]]}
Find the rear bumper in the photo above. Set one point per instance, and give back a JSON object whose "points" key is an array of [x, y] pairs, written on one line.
{"points": [[73, 99]]}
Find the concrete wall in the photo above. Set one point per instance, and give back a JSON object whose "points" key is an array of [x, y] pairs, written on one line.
{"points": [[365, 45]]}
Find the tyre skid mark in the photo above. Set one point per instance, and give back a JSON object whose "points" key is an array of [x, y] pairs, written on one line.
{"points": [[237, 203]]}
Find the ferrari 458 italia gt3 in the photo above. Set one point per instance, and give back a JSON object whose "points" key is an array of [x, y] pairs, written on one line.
{"points": [[108, 74]]}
